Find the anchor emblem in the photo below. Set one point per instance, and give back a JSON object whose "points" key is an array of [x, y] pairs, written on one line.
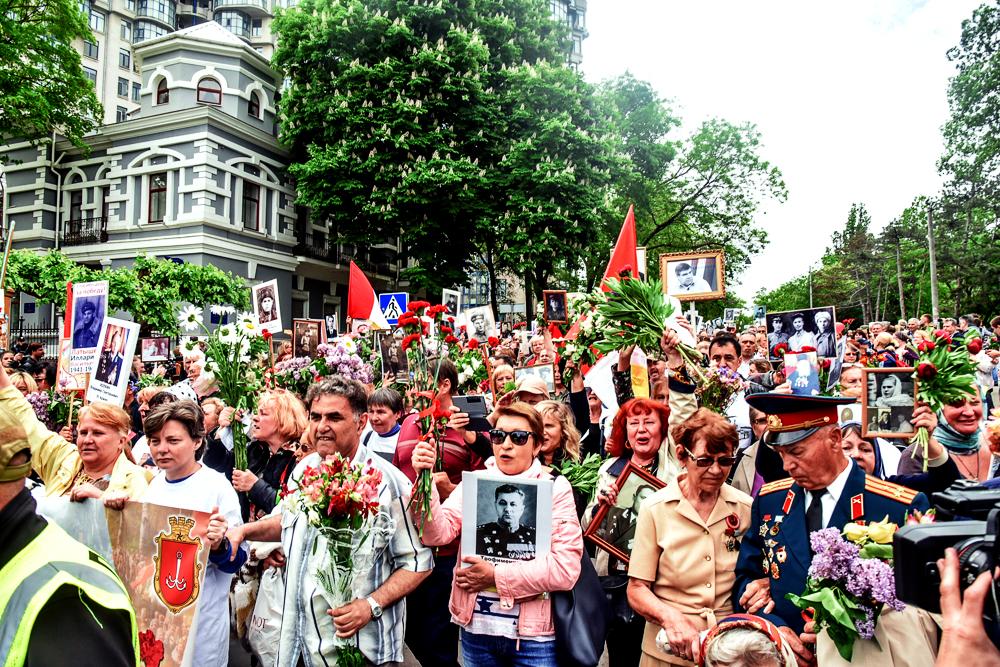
{"points": [[177, 587]]}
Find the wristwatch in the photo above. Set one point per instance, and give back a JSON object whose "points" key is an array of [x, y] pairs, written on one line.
{"points": [[376, 607]]}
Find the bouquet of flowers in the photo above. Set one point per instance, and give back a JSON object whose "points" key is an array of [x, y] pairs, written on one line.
{"points": [[945, 373], [472, 370], [339, 357], [850, 582], [231, 351], [636, 312], [582, 475], [579, 346], [340, 500], [52, 408], [416, 323], [153, 380], [718, 388]]}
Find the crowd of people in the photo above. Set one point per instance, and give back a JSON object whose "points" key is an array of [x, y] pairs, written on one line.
{"points": [[701, 561]]}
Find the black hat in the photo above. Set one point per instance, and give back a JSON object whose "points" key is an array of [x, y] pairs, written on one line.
{"points": [[792, 418]]}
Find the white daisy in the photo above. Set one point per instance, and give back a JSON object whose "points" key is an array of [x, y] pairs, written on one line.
{"points": [[190, 317], [227, 334], [349, 345], [248, 326], [223, 310]]}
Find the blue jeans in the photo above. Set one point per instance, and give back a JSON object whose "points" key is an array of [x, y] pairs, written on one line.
{"points": [[489, 651]]}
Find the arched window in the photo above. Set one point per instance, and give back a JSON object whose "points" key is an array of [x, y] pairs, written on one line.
{"points": [[253, 106], [209, 91], [162, 92]]}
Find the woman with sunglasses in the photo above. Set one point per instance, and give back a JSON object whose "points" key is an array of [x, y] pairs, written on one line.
{"points": [[503, 611], [682, 569]]}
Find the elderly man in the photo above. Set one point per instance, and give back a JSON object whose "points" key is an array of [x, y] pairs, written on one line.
{"points": [[748, 352], [825, 490], [338, 412]]}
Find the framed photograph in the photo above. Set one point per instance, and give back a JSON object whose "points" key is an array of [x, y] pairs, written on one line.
{"points": [[265, 305], [331, 326], [544, 371], [307, 336], [730, 314], [759, 314], [809, 327], [394, 361], [110, 373], [613, 526], [90, 307], [506, 519], [802, 371], [555, 306], [480, 323], [694, 276], [155, 349], [887, 403], [452, 298]]}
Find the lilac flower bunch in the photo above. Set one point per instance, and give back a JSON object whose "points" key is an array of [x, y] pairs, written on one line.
{"points": [[336, 358], [717, 388], [846, 583], [39, 402]]}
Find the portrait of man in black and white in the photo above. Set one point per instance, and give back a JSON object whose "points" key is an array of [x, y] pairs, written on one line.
{"points": [[505, 527], [555, 306]]}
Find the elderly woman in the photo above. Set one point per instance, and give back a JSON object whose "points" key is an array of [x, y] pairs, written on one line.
{"points": [[501, 376], [958, 430], [683, 562], [744, 640], [100, 462], [503, 610]]}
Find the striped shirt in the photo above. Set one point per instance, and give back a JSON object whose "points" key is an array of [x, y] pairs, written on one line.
{"points": [[307, 631]]}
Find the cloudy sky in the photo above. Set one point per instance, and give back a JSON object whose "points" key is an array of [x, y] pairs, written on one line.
{"points": [[849, 96]]}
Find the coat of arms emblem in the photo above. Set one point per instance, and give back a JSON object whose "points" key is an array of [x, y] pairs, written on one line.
{"points": [[177, 568]]}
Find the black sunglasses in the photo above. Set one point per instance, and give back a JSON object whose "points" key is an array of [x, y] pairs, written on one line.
{"points": [[707, 461], [519, 438]]}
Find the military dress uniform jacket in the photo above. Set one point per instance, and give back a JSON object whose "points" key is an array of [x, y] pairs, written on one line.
{"points": [[777, 543]]}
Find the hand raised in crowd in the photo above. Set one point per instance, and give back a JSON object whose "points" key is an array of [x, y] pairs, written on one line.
{"points": [[424, 455], [350, 618], [479, 576], [671, 339], [458, 420], [226, 416], [243, 480], [66, 433], [964, 640], [757, 597], [576, 383], [217, 527]]}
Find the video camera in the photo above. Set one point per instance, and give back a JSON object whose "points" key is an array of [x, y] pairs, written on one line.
{"points": [[968, 519]]}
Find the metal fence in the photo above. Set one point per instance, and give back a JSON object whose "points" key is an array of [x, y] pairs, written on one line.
{"points": [[47, 336]]}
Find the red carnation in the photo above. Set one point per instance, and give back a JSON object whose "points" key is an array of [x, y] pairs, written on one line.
{"points": [[473, 344], [807, 348], [407, 313], [926, 346], [450, 340], [417, 305], [493, 341], [974, 346], [266, 334], [520, 325], [926, 371], [780, 349], [410, 340], [150, 649], [824, 364], [446, 329]]}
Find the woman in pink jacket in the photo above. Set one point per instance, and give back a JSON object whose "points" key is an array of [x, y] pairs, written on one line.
{"points": [[503, 610]]}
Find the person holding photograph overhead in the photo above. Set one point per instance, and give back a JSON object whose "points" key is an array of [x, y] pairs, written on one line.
{"points": [[503, 610]]}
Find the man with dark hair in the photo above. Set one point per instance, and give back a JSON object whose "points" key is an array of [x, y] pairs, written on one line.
{"points": [[800, 338], [338, 412], [87, 330], [688, 282], [506, 537], [724, 352], [777, 336]]}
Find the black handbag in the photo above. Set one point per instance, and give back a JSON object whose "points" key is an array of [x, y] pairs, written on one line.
{"points": [[580, 617], [615, 587]]}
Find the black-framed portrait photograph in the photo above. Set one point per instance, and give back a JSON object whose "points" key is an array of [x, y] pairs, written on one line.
{"points": [[265, 304], [394, 360], [479, 323], [452, 298], [155, 349], [544, 371], [332, 328], [506, 519], [613, 526], [798, 329], [307, 336], [555, 306], [693, 276], [888, 402]]}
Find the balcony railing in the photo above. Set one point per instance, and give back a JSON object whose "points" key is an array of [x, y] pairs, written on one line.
{"points": [[202, 9], [164, 13], [382, 262], [85, 231], [242, 4]]}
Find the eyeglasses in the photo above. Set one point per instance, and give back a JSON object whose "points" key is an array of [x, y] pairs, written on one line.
{"points": [[519, 438], [707, 461]]}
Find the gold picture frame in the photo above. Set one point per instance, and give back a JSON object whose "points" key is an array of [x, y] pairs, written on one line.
{"points": [[703, 275]]}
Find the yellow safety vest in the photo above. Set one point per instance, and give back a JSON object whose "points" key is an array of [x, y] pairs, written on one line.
{"points": [[51, 560]]}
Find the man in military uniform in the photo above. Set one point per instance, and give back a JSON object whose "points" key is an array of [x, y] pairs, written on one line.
{"points": [[620, 523], [506, 537], [56, 595], [825, 490]]}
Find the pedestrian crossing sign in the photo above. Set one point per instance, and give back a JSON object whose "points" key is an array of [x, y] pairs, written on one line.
{"points": [[393, 304]]}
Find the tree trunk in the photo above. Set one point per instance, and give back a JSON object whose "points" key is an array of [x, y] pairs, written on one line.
{"points": [[529, 307], [491, 272], [899, 281]]}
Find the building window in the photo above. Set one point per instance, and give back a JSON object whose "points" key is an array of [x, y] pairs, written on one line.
{"points": [[124, 58], [136, 91], [91, 49], [235, 22], [558, 9], [76, 205], [162, 92], [127, 31], [157, 197], [91, 74], [130, 5], [121, 114], [96, 21], [209, 91], [256, 27], [105, 204], [122, 87], [146, 30], [251, 205], [253, 106]]}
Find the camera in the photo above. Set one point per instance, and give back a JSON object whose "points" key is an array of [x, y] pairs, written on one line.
{"points": [[968, 519]]}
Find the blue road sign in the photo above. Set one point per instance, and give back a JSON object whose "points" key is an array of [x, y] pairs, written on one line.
{"points": [[393, 304]]}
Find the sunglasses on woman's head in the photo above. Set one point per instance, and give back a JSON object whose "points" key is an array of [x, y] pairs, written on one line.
{"points": [[707, 461], [519, 438]]}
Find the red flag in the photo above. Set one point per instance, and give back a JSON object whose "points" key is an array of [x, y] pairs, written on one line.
{"points": [[362, 302], [624, 255]]}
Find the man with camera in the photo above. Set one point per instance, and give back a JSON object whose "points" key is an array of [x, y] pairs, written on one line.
{"points": [[825, 489]]}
